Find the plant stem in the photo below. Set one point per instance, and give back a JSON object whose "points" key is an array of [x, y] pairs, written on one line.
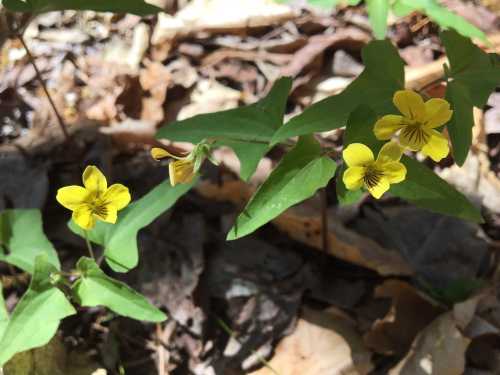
{"points": [[89, 245], [60, 120], [324, 220]]}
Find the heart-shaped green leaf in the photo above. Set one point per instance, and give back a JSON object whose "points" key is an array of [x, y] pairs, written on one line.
{"points": [[473, 76], [247, 130]]}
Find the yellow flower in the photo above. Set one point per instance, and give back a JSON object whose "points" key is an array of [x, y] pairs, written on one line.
{"points": [[181, 171], [375, 175], [94, 201], [417, 124]]}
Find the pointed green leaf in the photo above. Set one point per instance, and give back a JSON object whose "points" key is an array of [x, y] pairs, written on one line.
{"points": [[37, 315], [425, 189], [247, 130], [375, 87], [120, 240], [95, 288], [297, 177], [439, 14], [138, 7], [22, 239], [474, 75], [378, 11]]}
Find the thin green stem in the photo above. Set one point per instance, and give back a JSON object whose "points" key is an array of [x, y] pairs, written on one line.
{"points": [[89, 245]]}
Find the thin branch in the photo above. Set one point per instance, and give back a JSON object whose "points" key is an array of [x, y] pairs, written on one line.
{"points": [[60, 120]]}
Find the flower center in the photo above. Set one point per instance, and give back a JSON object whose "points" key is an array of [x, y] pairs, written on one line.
{"points": [[372, 176], [415, 134], [99, 208]]}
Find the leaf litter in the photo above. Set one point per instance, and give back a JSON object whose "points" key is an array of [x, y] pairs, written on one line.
{"points": [[390, 293]]}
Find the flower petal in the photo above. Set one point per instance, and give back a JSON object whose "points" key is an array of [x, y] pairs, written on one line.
{"points": [[387, 126], [380, 188], [353, 177], [391, 151], [437, 147], [410, 104], [94, 180], [438, 113], [72, 196], [181, 171], [159, 153], [107, 213], [83, 217], [357, 155], [394, 172], [117, 195], [414, 137]]}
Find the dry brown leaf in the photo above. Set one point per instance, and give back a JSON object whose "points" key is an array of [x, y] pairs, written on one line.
{"points": [[303, 224], [220, 15], [409, 314], [438, 350], [324, 342]]}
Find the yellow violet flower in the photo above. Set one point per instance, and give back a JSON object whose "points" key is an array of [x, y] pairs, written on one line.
{"points": [[181, 171], [416, 125], [94, 201], [375, 175]]}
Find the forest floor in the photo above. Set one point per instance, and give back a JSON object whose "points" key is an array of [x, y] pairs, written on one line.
{"points": [[398, 290]]}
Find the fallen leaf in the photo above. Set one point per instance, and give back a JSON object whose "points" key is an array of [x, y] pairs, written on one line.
{"points": [[324, 342], [220, 15], [438, 350], [408, 315]]}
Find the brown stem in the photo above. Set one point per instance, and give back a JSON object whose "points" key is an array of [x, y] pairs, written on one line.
{"points": [[60, 120]]}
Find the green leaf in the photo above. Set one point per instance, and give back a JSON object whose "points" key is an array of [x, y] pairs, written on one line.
{"points": [[440, 14], [375, 87], [95, 288], [297, 177], [120, 240], [138, 7], [21, 234], [36, 317], [425, 189], [247, 130], [473, 76], [378, 11]]}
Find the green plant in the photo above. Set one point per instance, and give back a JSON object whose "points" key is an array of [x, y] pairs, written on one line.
{"points": [[377, 96]]}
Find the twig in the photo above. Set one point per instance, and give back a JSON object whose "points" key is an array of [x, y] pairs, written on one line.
{"points": [[60, 120], [160, 351]]}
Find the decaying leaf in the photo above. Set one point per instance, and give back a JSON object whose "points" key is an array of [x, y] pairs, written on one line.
{"points": [[324, 342], [438, 350], [211, 15], [409, 314]]}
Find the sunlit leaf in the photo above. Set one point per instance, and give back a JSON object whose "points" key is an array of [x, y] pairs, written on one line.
{"points": [[297, 177]]}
